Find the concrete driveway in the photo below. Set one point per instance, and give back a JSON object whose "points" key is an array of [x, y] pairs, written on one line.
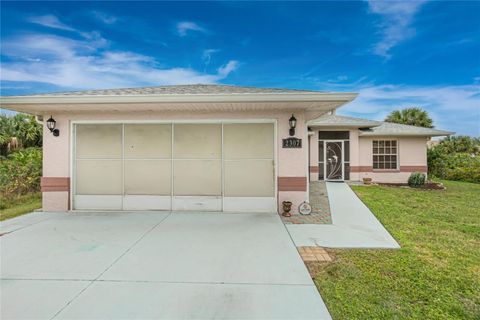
{"points": [[154, 265]]}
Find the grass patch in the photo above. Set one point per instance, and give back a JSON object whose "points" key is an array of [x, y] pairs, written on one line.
{"points": [[436, 273], [16, 206]]}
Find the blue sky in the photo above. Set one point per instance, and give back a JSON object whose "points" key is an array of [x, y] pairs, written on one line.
{"points": [[395, 54]]}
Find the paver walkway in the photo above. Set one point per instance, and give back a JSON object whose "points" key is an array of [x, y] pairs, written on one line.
{"points": [[353, 224], [321, 213]]}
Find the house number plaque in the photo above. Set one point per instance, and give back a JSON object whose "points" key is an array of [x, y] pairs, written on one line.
{"points": [[291, 143]]}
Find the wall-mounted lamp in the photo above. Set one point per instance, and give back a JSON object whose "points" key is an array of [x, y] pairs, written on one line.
{"points": [[51, 126], [293, 123]]}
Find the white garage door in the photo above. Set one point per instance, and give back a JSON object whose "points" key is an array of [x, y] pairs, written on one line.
{"points": [[174, 166]]}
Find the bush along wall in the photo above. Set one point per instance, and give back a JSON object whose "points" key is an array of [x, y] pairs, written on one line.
{"points": [[416, 179], [20, 172]]}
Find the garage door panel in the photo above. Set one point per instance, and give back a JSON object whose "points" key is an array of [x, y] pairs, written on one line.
{"points": [[99, 141], [248, 141], [98, 202], [197, 141], [146, 202], [249, 178], [197, 203], [249, 204], [197, 178], [146, 141], [99, 177], [148, 177]]}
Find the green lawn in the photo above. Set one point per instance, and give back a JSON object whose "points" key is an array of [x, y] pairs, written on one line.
{"points": [[436, 273], [10, 208]]}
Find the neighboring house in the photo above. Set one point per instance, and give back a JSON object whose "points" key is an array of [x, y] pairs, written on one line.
{"points": [[209, 147]]}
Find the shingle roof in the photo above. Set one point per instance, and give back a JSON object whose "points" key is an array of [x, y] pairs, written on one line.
{"points": [[189, 89], [396, 129], [376, 128], [334, 120]]}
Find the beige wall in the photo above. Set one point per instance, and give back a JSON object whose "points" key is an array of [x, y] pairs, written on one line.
{"points": [[290, 162]]}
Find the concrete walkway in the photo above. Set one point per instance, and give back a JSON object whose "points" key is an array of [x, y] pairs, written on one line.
{"points": [[353, 224], [154, 265]]}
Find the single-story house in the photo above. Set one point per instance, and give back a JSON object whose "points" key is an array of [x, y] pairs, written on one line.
{"points": [[209, 147]]}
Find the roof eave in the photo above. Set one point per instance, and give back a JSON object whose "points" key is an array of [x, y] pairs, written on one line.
{"points": [[182, 98], [379, 134], [332, 125]]}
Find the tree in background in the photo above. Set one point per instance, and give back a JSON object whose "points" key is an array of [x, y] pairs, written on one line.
{"points": [[459, 144], [411, 116], [19, 131]]}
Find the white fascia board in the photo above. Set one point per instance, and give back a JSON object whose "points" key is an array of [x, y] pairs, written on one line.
{"points": [[440, 133], [340, 125], [171, 98]]}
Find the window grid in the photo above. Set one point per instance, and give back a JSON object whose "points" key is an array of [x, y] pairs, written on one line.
{"points": [[385, 154]]}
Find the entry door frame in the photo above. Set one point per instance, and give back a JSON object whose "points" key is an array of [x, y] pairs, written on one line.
{"points": [[342, 142], [222, 121]]}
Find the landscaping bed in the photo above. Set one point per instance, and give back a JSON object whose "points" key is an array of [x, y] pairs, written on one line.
{"points": [[436, 273], [426, 186]]}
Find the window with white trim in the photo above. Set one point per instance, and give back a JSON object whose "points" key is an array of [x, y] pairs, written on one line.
{"points": [[385, 154]]}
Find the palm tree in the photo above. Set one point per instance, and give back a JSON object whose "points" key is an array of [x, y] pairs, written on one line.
{"points": [[411, 116], [19, 131]]}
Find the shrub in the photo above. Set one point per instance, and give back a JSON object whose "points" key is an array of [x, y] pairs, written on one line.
{"points": [[416, 179], [456, 158], [20, 172]]}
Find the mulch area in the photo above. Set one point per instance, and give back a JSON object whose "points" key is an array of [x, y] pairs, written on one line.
{"points": [[426, 186]]}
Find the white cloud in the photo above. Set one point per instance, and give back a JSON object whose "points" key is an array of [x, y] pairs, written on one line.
{"points": [[226, 69], [82, 64], [207, 55], [455, 108], [104, 17], [185, 26], [397, 20], [50, 21]]}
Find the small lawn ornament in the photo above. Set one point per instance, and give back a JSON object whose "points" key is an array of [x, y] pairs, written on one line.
{"points": [[305, 208], [367, 180], [287, 207]]}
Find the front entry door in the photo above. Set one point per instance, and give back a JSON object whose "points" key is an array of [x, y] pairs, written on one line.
{"points": [[334, 160]]}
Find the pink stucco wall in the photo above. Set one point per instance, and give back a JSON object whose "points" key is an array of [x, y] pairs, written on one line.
{"points": [[412, 152], [56, 163], [290, 162], [55, 201], [412, 156], [313, 156]]}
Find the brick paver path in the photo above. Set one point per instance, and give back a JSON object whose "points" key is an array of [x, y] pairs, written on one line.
{"points": [[320, 207], [315, 254]]}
